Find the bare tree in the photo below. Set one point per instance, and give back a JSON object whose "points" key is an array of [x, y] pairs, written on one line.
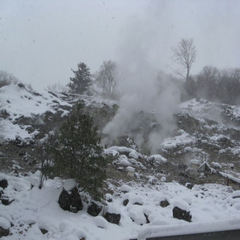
{"points": [[185, 55], [106, 78]]}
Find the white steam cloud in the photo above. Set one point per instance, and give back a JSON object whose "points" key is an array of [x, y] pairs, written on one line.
{"points": [[142, 89]]}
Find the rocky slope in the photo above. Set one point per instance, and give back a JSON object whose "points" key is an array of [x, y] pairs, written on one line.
{"points": [[204, 147], [182, 182]]}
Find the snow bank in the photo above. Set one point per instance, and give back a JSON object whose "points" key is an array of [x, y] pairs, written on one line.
{"points": [[190, 229], [182, 139]]}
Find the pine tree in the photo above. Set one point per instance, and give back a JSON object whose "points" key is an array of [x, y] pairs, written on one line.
{"points": [[77, 153], [82, 79]]}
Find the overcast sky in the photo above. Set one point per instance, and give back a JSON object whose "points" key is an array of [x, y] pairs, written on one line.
{"points": [[41, 40]]}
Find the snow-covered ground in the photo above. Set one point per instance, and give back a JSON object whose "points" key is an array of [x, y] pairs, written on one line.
{"points": [[34, 209], [18, 100]]}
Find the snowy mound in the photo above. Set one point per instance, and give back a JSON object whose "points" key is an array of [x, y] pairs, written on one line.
{"points": [[202, 108]]}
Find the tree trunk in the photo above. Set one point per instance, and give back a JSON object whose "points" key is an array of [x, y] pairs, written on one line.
{"points": [[187, 75]]}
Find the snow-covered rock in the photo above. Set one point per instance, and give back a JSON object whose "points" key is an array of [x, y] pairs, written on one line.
{"points": [[156, 159], [123, 161], [4, 223]]}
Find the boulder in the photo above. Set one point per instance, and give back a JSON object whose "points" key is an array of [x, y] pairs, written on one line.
{"points": [[70, 201], [112, 217], [94, 209], [43, 231], [4, 232], [125, 202], [182, 214], [76, 201], [4, 227], [164, 203], [5, 201], [3, 183], [189, 185]]}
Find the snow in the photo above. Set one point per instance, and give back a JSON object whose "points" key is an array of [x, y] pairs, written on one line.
{"points": [[201, 108], [235, 150], [236, 112], [34, 209], [22, 101], [4, 223], [216, 165], [218, 137], [130, 169], [156, 159], [115, 150], [123, 161], [111, 152], [190, 229], [195, 105], [182, 139], [229, 176], [11, 131]]}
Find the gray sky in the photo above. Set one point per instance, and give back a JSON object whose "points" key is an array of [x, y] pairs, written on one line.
{"points": [[41, 40]]}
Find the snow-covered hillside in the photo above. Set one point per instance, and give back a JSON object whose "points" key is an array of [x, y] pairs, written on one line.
{"points": [[35, 214], [189, 171], [18, 101]]}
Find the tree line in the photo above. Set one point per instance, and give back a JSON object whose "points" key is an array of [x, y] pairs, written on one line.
{"points": [[215, 85]]}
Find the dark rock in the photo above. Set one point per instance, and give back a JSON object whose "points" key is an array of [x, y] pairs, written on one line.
{"points": [[94, 209], [76, 199], [18, 142], [73, 209], [132, 219], [164, 203], [65, 200], [110, 200], [4, 232], [112, 217], [189, 185], [182, 214], [147, 219], [138, 203], [3, 183], [21, 85], [234, 197], [125, 202], [70, 201], [5, 201], [22, 153], [4, 114], [43, 231]]}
